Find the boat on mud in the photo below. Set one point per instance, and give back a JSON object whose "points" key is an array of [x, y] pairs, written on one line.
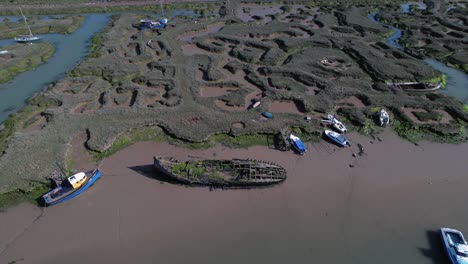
{"points": [[267, 115], [235, 173], [337, 124], [455, 245], [71, 187], [383, 117], [336, 138], [297, 144]]}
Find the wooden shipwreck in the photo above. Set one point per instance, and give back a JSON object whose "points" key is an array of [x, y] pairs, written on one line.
{"points": [[222, 173]]}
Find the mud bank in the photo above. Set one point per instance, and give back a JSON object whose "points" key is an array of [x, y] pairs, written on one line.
{"points": [[392, 200]]}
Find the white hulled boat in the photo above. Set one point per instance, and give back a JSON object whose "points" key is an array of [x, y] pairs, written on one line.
{"points": [[455, 245], [26, 38]]}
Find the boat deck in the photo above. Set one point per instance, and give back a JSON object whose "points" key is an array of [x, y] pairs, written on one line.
{"points": [[66, 189]]}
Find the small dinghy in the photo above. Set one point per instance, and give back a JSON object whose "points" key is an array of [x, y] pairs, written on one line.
{"points": [[337, 138], [71, 187], [297, 144], [455, 245], [337, 124], [267, 114], [383, 117]]}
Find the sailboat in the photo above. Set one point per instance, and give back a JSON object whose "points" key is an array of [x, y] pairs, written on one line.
{"points": [[26, 38]]}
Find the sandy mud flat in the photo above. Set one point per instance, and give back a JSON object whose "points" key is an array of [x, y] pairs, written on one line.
{"points": [[391, 199]]}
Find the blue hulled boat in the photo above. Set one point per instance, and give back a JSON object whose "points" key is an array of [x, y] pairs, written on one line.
{"points": [[455, 245], [297, 144], [337, 138], [71, 187], [267, 114]]}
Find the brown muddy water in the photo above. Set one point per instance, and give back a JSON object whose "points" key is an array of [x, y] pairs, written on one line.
{"points": [[386, 208]]}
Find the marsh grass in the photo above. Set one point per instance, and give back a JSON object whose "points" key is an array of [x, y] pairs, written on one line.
{"points": [[19, 196]]}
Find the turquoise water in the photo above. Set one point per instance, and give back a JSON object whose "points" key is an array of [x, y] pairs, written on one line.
{"points": [[70, 50]]}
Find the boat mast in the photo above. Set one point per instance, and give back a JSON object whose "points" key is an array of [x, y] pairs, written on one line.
{"points": [[26, 21], [162, 8]]}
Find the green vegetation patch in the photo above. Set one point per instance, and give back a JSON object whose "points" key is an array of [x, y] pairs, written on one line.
{"points": [[241, 141], [22, 58], [428, 116], [34, 105], [62, 25], [188, 169], [19, 196], [414, 133], [131, 137], [465, 108]]}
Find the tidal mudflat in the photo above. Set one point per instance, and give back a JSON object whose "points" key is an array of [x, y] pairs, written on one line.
{"points": [[393, 199]]}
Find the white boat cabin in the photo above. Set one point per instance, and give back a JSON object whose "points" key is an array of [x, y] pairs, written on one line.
{"points": [[77, 180]]}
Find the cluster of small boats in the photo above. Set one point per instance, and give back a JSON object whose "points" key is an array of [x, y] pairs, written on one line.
{"points": [[336, 124]]}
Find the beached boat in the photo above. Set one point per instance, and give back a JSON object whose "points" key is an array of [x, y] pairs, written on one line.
{"points": [[26, 38], [337, 124], [267, 114], [256, 104], [223, 173], [71, 187], [297, 144], [455, 245], [337, 138], [416, 86], [149, 24], [383, 117]]}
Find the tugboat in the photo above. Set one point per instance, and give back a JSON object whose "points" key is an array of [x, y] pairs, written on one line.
{"points": [[223, 173], [455, 245], [71, 187]]}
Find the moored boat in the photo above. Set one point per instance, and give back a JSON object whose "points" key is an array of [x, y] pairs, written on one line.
{"points": [[383, 117], [297, 144], [336, 137], [337, 124], [455, 245], [225, 173], [26, 38], [71, 187]]}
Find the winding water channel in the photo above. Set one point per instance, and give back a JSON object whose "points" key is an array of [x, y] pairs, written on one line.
{"points": [[69, 51], [457, 81]]}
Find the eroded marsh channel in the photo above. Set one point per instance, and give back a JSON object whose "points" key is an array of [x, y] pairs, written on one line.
{"points": [[189, 91]]}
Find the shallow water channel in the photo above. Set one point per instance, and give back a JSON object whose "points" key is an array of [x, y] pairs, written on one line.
{"points": [[457, 81], [69, 51]]}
